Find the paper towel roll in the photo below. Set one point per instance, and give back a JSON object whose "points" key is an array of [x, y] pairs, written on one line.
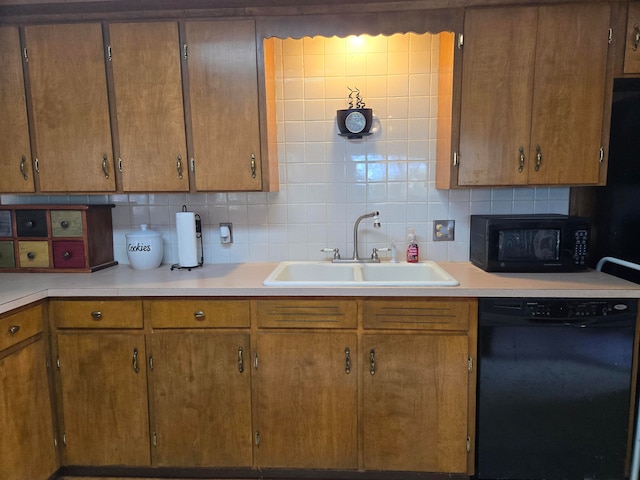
{"points": [[187, 244]]}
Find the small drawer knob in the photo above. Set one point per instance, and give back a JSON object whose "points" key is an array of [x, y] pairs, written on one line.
{"points": [[199, 315], [29, 224], [64, 224], [31, 255], [14, 329], [96, 315], [66, 255]]}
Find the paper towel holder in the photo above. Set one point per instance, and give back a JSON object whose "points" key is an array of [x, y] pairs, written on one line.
{"points": [[198, 236]]}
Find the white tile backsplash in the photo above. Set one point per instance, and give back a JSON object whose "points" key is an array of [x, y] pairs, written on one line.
{"points": [[327, 181]]}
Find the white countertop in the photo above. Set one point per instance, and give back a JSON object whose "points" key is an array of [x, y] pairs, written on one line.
{"points": [[18, 289]]}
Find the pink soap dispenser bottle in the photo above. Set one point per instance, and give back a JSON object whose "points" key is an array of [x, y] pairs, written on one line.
{"points": [[412, 247]]}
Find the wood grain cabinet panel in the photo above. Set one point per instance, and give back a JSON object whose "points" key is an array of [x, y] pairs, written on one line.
{"points": [[198, 313], [149, 106], [15, 161], [20, 326], [303, 313], [533, 96], [70, 107], [26, 424], [96, 313], [103, 385], [306, 400], [223, 87], [414, 313], [201, 398]]}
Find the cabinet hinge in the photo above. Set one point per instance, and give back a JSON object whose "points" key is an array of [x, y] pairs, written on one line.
{"points": [[456, 160], [460, 41], [601, 154], [58, 362], [193, 164], [150, 362], [109, 53], [155, 439], [255, 361], [25, 54], [185, 51], [470, 364], [47, 365], [64, 439], [257, 438], [610, 35], [468, 444]]}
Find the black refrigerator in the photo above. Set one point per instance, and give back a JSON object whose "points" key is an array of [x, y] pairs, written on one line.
{"points": [[616, 212]]}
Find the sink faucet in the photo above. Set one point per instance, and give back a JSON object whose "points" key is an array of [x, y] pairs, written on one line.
{"points": [[356, 257]]}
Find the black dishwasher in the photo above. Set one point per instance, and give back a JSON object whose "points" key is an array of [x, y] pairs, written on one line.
{"points": [[554, 383]]}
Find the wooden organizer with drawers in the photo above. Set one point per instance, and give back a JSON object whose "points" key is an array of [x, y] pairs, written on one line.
{"points": [[55, 238]]}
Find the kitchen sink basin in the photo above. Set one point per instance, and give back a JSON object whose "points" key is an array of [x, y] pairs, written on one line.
{"points": [[428, 274]]}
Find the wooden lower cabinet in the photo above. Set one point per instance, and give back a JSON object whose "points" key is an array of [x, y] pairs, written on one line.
{"points": [[27, 445], [201, 399], [415, 402], [306, 400]]}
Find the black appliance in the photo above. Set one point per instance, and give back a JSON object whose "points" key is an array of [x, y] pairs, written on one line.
{"points": [[554, 383], [616, 216], [529, 243]]}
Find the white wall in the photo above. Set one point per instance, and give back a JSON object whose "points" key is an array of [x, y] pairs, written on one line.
{"points": [[327, 181]]}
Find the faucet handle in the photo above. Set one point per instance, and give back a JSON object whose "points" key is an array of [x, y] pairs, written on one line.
{"points": [[375, 251], [335, 251]]}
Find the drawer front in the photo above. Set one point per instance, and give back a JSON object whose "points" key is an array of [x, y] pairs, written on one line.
{"points": [[7, 258], [33, 254], [96, 313], [6, 229], [66, 223], [197, 313], [298, 313], [31, 223], [421, 314], [19, 326], [68, 254]]}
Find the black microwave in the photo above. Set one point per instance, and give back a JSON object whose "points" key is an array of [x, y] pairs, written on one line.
{"points": [[529, 243]]}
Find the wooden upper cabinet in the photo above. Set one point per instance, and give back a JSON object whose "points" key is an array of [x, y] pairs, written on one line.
{"points": [[68, 86], [632, 40], [533, 95], [149, 106], [15, 161], [223, 90]]}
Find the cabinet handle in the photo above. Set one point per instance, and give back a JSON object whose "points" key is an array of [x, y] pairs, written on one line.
{"points": [[23, 168], [372, 361], [636, 36], [199, 315], [538, 157], [105, 167], [347, 361], [253, 165], [120, 165], [14, 329], [240, 360], [521, 166], [96, 315], [66, 255], [31, 255], [179, 166], [134, 361]]}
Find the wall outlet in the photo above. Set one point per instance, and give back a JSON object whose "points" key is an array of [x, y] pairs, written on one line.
{"points": [[444, 230]]}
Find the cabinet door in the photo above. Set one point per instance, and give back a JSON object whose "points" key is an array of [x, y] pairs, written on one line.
{"points": [[70, 107], [415, 390], [26, 426], [632, 40], [306, 401], [223, 88], [148, 90], [568, 98], [104, 398], [497, 81], [201, 398], [15, 160]]}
